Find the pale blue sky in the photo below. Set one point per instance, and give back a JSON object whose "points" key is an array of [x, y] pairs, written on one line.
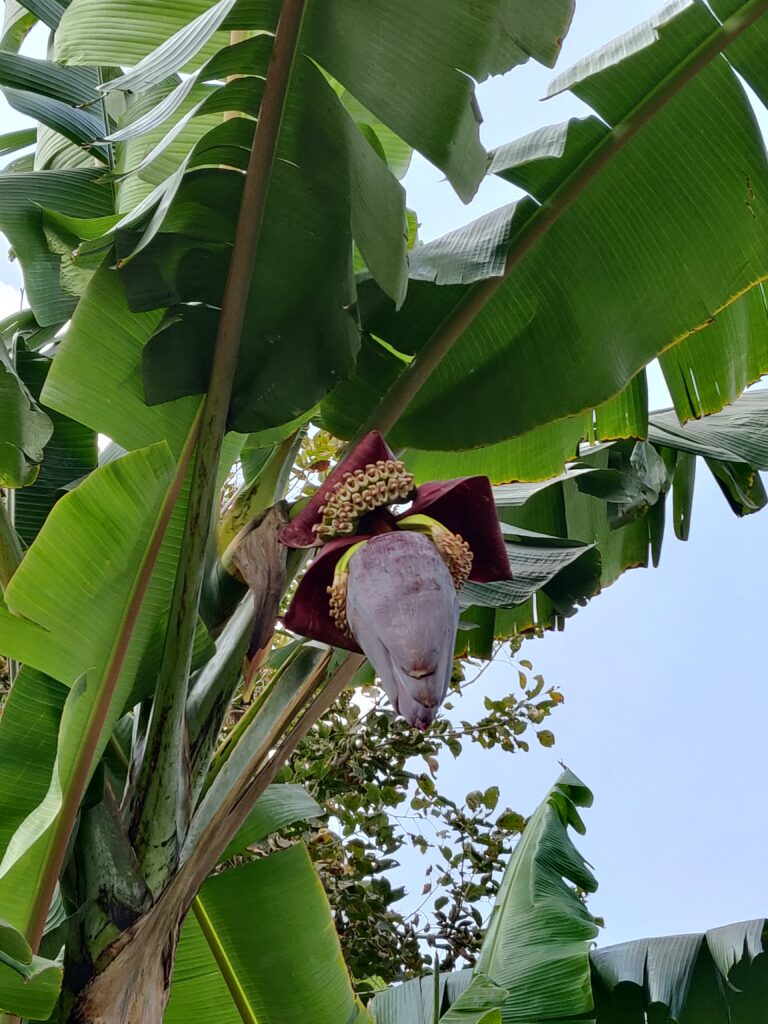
{"points": [[666, 703]]}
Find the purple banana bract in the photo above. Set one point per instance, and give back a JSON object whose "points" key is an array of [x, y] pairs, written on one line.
{"points": [[403, 610]]}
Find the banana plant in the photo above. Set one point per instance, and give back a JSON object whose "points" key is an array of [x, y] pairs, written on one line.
{"points": [[217, 258]]}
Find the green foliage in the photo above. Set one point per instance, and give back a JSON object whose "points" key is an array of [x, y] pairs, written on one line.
{"points": [[24, 428], [257, 920], [379, 781], [27, 982], [220, 260], [70, 454], [477, 396]]}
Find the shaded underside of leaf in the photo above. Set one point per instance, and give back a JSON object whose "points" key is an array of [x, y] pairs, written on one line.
{"points": [[71, 453], [24, 429]]}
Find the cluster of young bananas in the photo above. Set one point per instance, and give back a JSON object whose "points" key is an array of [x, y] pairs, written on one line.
{"points": [[456, 554], [337, 599], [381, 483]]}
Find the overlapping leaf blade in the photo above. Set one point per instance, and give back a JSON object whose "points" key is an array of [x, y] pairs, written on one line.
{"points": [[302, 290], [48, 11], [96, 376], [581, 336], [539, 935], [712, 367], [17, 22], [747, 53], [12, 141], [542, 453], [433, 50], [363, 48], [77, 611], [93, 32], [29, 989], [79, 126], [74, 86], [280, 805], [23, 197], [260, 922], [711, 977], [70, 454], [149, 159], [737, 434], [537, 942], [24, 428], [301, 337], [28, 731], [603, 515], [568, 571]]}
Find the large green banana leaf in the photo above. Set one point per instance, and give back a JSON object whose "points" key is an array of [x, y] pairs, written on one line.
{"points": [[260, 946], [89, 606], [411, 66], [302, 337], [539, 933], [629, 270], [69, 610], [503, 400], [541, 453], [329, 179], [28, 732], [573, 535], [536, 949]]}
